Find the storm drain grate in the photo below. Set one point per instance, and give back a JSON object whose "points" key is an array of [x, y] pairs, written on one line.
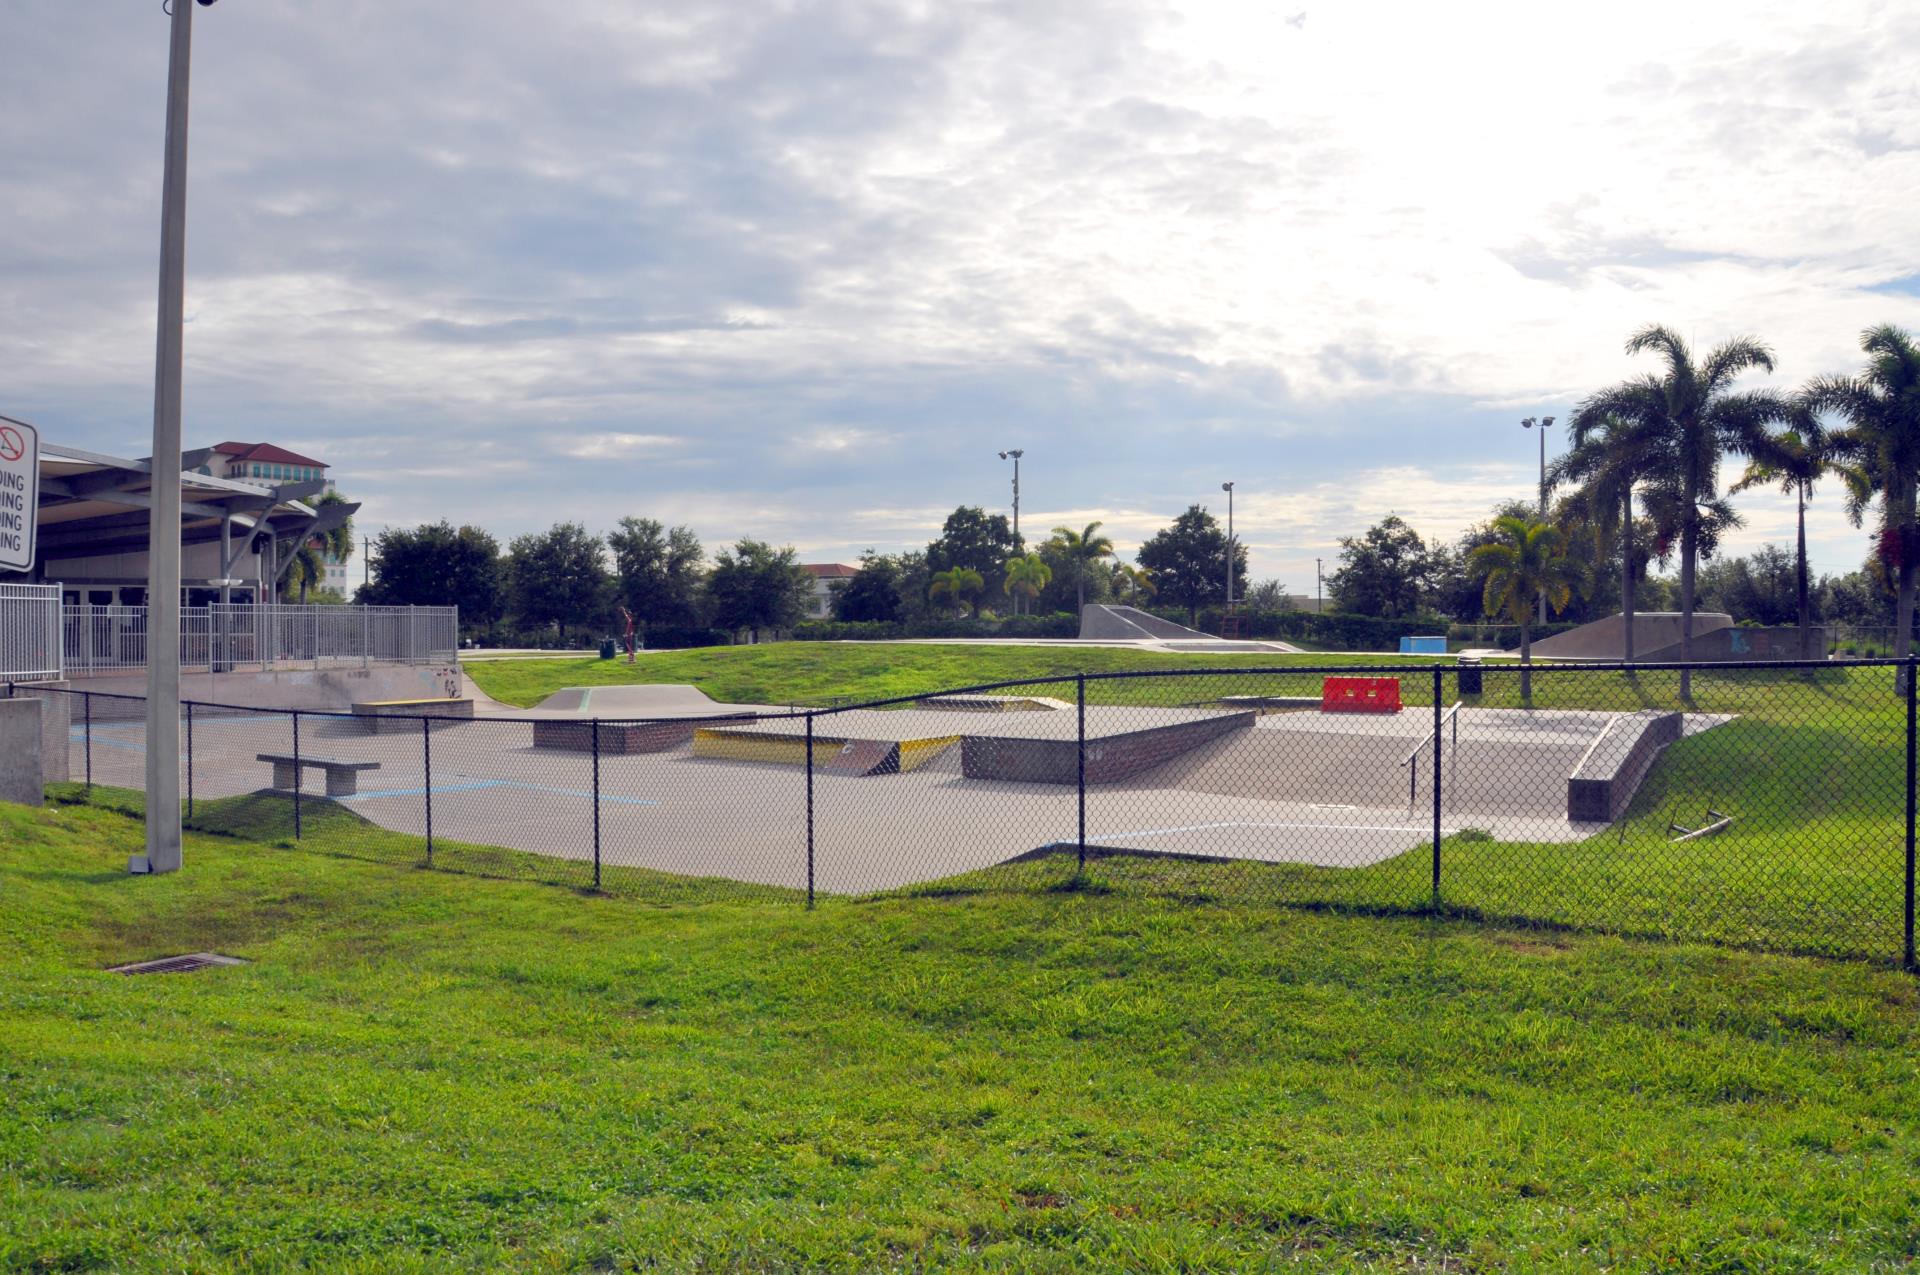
{"points": [[177, 964]]}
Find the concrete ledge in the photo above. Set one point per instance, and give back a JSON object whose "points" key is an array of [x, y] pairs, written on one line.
{"points": [[1604, 781], [20, 777], [996, 703], [621, 738], [1110, 758], [392, 716]]}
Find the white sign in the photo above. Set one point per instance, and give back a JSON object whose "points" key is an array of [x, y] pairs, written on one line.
{"points": [[19, 493]]}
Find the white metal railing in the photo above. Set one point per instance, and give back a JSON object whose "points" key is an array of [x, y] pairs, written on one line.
{"points": [[1433, 738], [30, 631], [104, 639]]}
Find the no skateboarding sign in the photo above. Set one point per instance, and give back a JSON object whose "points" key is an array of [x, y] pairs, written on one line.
{"points": [[19, 493]]}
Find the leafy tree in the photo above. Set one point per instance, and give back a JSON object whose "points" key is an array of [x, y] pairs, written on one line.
{"points": [[755, 586], [1880, 443], [1758, 588], [657, 571], [1793, 460], [873, 593], [1026, 576], [971, 537], [1388, 571], [1133, 585], [1189, 561], [1696, 417], [436, 565], [956, 584], [1528, 561], [1268, 595], [1082, 552], [915, 579], [557, 577]]}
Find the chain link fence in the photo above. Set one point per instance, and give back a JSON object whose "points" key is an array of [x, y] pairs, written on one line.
{"points": [[1772, 807]]}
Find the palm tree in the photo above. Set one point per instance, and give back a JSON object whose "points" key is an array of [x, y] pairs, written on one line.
{"points": [[309, 565], [1880, 443], [1694, 410], [957, 584], [1135, 584], [1081, 549], [1528, 561], [1794, 460], [1026, 576], [1610, 458]]}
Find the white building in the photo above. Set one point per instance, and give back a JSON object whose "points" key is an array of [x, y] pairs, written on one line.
{"points": [[828, 579]]}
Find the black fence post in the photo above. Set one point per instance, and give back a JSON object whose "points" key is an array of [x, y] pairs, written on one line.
{"points": [[1081, 766], [86, 708], [189, 759], [1907, 949], [1437, 693], [426, 779], [809, 810], [298, 774], [596, 802]]}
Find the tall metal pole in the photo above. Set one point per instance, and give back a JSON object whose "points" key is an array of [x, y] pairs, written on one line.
{"points": [[163, 534], [1014, 454], [1228, 488], [1319, 592], [1544, 422]]}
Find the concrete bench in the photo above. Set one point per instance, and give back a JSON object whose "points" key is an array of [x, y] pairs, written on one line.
{"points": [[390, 715], [343, 777]]}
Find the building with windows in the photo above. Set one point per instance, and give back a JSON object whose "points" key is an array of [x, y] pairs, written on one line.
{"points": [[828, 579], [243, 514]]}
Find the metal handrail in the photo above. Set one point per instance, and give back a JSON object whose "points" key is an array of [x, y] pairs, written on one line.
{"points": [[1413, 776]]}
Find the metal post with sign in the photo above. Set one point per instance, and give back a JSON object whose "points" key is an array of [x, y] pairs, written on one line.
{"points": [[19, 493]]}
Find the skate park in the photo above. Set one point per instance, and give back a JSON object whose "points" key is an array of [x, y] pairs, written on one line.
{"points": [[908, 795]]}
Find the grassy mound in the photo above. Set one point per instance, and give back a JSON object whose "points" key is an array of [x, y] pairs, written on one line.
{"points": [[424, 1071]]}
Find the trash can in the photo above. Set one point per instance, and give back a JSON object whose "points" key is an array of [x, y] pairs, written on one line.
{"points": [[606, 648], [1469, 675]]}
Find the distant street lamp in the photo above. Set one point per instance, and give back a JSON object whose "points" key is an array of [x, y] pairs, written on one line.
{"points": [[1228, 488], [1319, 600], [1545, 423], [1014, 454], [163, 513]]}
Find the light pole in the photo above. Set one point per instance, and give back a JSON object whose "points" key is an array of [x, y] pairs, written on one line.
{"points": [[1228, 488], [1545, 423], [1319, 600], [1014, 454], [163, 528]]}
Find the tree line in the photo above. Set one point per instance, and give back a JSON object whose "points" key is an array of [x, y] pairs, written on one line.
{"points": [[1641, 483], [565, 582], [978, 567]]}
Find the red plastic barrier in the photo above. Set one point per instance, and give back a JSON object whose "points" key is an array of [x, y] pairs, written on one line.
{"points": [[1360, 695]]}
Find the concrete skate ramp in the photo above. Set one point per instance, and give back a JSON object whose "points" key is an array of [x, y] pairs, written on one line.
{"points": [[665, 699], [1507, 762], [1652, 631], [1100, 622], [1779, 643]]}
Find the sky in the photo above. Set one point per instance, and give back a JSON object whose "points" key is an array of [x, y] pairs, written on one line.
{"points": [[800, 271]]}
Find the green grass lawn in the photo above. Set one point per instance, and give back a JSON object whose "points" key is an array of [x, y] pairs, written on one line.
{"points": [[826, 672], [429, 1071]]}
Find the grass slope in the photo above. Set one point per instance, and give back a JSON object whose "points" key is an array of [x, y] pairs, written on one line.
{"points": [[422, 1071], [820, 672]]}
